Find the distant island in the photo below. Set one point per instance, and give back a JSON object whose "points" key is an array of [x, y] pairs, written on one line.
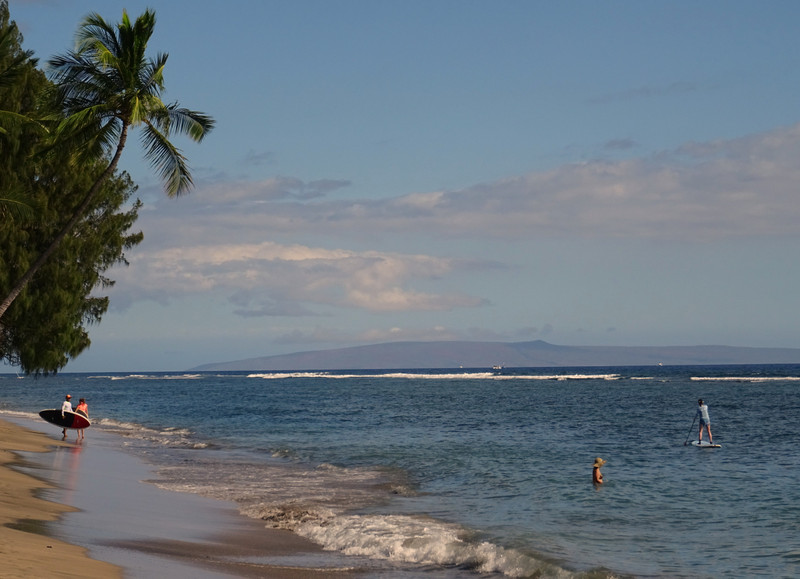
{"points": [[464, 354]]}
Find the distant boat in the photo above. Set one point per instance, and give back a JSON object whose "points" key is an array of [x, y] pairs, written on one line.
{"points": [[497, 368]]}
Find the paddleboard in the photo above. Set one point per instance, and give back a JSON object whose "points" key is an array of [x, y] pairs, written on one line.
{"points": [[705, 444], [68, 420]]}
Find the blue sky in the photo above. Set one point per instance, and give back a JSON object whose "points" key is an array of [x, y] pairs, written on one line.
{"points": [[581, 172]]}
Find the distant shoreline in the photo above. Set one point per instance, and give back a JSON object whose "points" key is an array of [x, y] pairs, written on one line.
{"points": [[472, 355]]}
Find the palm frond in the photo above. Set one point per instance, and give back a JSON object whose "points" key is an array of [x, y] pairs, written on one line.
{"points": [[11, 120], [85, 134], [16, 206], [151, 75], [108, 83], [173, 119], [167, 160], [97, 38]]}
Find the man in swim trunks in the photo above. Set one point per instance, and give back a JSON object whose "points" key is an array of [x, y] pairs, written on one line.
{"points": [[66, 406], [705, 420]]}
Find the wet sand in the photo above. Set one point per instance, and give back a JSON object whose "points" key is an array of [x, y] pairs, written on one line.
{"points": [[25, 547], [73, 509]]}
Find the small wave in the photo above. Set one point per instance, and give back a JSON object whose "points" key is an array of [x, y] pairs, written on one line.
{"points": [[793, 556], [283, 375], [407, 375], [175, 437], [147, 377], [282, 453], [557, 377], [563, 377], [407, 539], [20, 414], [433, 376], [745, 378], [287, 517]]}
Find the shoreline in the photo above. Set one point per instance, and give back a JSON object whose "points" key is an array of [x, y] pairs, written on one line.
{"points": [[27, 549], [83, 510]]}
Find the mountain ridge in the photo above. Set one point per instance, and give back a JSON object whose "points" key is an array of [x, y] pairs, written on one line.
{"points": [[537, 353]]}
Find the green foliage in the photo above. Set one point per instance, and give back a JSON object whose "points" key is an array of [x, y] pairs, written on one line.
{"points": [[60, 143], [45, 326], [20, 83], [109, 80]]}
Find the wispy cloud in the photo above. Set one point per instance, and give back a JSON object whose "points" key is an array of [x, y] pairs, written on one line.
{"points": [[254, 158], [733, 188], [620, 145], [646, 92], [222, 193], [698, 192]]}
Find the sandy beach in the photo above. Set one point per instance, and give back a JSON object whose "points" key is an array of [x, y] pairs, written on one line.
{"points": [[71, 509], [26, 549]]}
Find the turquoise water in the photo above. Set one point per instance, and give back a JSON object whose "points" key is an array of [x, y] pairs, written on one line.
{"points": [[461, 473]]}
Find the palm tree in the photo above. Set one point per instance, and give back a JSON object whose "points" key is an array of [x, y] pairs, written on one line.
{"points": [[105, 87]]}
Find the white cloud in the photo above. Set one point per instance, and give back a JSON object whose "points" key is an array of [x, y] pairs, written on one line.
{"points": [[734, 188], [743, 187], [229, 193], [222, 237], [273, 279]]}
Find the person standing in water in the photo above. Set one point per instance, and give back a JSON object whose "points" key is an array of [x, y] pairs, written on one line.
{"points": [[66, 406], [597, 476], [705, 421]]}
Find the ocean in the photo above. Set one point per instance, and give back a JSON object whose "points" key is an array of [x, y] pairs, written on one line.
{"points": [[476, 473]]}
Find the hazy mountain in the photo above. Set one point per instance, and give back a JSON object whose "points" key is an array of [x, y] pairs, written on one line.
{"points": [[399, 355]]}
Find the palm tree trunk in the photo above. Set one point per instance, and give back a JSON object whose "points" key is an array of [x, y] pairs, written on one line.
{"points": [[76, 216]]}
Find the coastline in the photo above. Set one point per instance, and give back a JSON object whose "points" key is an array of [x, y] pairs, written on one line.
{"points": [[82, 510], [25, 548]]}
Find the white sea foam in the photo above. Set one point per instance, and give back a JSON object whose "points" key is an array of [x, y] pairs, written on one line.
{"points": [[404, 539], [148, 377], [746, 378], [560, 377], [18, 414], [418, 540], [257, 487], [175, 437], [319, 504], [434, 376]]}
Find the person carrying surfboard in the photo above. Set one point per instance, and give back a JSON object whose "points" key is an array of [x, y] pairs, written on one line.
{"points": [[705, 420], [66, 406], [82, 408]]}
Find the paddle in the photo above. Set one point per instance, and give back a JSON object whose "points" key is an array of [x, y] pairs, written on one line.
{"points": [[691, 428]]}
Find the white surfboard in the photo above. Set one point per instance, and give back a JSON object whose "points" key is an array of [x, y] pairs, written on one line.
{"points": [[705, 444]]}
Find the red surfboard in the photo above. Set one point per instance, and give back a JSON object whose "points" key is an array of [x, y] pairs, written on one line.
{"points": [[65, 419]]}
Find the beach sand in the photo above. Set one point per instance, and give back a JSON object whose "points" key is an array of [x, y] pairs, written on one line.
{"points": [[25, 550], [73, 509]]}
